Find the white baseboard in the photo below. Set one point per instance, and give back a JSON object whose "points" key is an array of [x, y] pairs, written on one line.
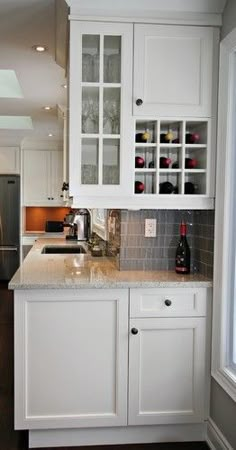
{"points": [[215, 439], [117, 435]]}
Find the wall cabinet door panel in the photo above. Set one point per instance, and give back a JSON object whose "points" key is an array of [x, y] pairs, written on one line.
{"points": [[173, 70], [9, 160], [36, 176], [42, 178], [56, 177]]}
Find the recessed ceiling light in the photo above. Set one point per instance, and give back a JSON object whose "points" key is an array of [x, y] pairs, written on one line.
{"points": [[50, 135], [64, 86], [47, 108], [40, 48]]}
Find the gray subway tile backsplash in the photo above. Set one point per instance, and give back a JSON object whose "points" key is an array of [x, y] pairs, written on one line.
{"points": [[136, 252]]}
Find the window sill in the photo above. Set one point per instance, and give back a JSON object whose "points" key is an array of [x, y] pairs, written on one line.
{"points": [[227, 381]]}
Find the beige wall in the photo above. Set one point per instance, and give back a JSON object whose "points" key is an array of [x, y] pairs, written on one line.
{"points": [[229, 18], [223, 412], [223, 408]]}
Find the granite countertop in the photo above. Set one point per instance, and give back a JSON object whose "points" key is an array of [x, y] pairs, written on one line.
{"points": [[63, 271]]}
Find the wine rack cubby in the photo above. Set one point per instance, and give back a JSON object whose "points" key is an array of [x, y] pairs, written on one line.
{"points": [[171, 157]]}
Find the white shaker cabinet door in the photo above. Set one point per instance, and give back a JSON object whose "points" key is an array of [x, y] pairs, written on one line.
{"points": [[167, 371], [9, 160], [173, 70], [36, 177], [42, 178], [56, 177], [71, 358]]}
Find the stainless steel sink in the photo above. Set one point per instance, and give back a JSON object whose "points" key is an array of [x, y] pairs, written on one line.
{"points": [[64, 249]]}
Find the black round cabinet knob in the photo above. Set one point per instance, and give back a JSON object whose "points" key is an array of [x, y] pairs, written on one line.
{"points": [[139, 102], [168, 302], [134, 331]]}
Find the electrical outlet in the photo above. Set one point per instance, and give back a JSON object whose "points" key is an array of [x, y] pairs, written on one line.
{"points": [[150, 228]]}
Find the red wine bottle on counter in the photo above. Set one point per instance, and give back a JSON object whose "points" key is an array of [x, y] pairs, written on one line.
{"points": [[182, 256]]}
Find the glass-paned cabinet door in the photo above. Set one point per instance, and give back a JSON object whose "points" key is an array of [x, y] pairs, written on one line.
{"points": [[98, 114]]}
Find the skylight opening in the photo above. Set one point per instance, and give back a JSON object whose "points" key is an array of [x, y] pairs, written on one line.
{"points": [[9, 85]]}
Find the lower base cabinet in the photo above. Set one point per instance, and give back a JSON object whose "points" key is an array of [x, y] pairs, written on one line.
{"points": [[78, 358], [167, 371], [71, 358]]}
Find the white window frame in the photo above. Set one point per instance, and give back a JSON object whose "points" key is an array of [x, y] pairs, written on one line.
{"points": [[225, 218], [99, 222]]}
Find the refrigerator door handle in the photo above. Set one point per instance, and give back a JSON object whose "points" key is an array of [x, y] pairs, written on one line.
{"points": [[9, 249]]}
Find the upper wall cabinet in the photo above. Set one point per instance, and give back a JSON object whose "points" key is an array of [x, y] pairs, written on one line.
{"points": [[9, 160], [42, 178], [126, 157], [100, 108], [173, 70]]}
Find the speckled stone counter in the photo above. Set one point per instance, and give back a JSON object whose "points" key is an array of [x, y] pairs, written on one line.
{"points": [[63, 271]]}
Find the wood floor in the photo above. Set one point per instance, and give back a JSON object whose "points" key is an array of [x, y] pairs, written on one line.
{"points": [[18, 440]]}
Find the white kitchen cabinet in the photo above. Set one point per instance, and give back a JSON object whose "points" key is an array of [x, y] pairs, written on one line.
{"points": [[171, 80], [71, 361], [168, 356], [173, 70], [42, 178], [9, 160], [71, 357], [100, 110]]}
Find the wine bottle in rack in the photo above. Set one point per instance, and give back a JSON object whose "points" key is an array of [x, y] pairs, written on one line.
{"points": [[164, 162], [166, 188], [139, 187], [143, 137], [182, 256], [189, 188], [166, 138], [190, 163], [139, 162], [192, 138]]}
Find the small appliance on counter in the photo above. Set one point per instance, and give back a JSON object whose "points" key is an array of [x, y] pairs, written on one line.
{"points": [[54, 226], [80, 225]]}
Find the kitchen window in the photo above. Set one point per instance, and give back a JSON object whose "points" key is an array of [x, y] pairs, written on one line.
{"points": [[224, 302]]}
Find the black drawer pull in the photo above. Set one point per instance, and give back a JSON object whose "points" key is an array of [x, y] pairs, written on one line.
{"points": [[168, 302]]}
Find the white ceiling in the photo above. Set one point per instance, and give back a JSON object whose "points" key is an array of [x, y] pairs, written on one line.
{"points": [[24, 23]]}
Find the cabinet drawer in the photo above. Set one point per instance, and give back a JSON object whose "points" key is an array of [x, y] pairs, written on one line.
{"points": [[168, 302]]}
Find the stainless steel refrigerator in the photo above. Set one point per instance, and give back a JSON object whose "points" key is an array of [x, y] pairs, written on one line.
{"points": [[9, 225]]}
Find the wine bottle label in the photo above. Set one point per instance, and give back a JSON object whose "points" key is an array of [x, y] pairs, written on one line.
{"points": [[181, 269]]}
